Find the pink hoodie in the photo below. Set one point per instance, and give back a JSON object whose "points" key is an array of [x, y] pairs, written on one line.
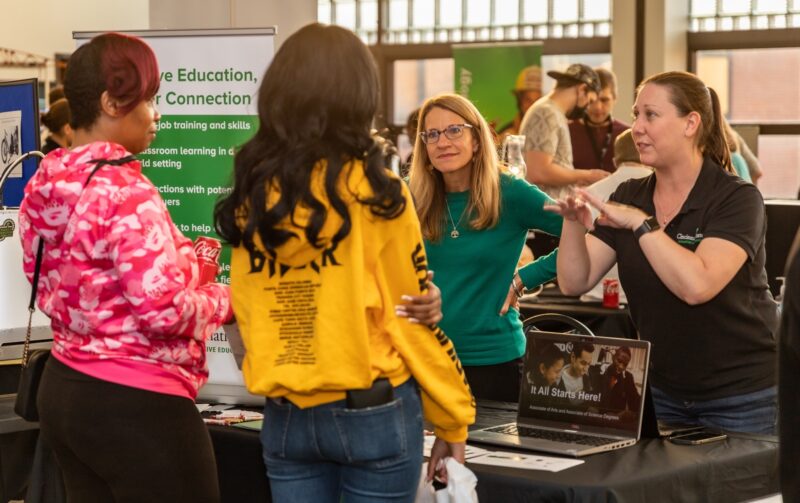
{"points": [[118, 279]]}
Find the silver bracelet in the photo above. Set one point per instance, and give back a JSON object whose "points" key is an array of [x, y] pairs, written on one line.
{"points": [[519, 291]]}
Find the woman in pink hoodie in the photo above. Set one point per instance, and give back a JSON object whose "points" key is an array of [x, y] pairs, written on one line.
{"points": [[120, 284]]}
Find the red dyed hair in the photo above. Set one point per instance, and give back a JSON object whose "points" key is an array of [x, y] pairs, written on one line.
{"points": [[130, 69], [123, 65]]}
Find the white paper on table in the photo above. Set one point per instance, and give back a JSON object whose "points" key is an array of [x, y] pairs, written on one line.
{"points": [[470, 452], [526, 461]]}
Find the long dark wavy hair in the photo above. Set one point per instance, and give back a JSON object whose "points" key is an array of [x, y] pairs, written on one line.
{"points": [[316, 103]]}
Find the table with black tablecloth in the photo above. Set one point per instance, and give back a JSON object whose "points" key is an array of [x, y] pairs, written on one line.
{"points": [[603, 321], [740, 468], [17, 447]]}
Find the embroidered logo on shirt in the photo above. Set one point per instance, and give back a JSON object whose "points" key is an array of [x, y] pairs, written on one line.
{"points": [[688, 239]]}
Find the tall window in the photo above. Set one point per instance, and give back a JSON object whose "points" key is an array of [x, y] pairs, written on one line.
{"points": [[412, 39], [726, 15], [747, 50], [443, 21]]}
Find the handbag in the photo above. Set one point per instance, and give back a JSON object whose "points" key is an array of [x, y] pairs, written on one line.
{"points": [[33, 362]]}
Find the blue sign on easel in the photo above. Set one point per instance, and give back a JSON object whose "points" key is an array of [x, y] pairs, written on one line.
{"points": [[19, 133]]}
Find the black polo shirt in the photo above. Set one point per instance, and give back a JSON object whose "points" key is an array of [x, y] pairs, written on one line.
{"points": [[726, 346]]}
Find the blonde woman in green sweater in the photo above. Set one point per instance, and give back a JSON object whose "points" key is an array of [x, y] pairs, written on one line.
{"points": [[475, 218]]}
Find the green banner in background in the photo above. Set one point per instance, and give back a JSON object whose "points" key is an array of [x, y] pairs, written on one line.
{"points": [[491, 75]]}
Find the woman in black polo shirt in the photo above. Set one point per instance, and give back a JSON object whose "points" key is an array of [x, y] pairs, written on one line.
{"points": [[689, 241]]}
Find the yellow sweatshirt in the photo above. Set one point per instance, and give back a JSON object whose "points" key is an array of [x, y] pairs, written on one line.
{"points": [[316, 323]]}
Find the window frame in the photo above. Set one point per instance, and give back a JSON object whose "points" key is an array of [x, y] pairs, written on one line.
{"points": [[746, 39]]}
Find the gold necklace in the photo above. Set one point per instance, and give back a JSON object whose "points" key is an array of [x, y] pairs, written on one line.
{"points": [[454, 233], [665, 217]]}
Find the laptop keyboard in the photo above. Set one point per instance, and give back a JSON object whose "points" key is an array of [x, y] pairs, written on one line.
{"points": [[556, 436]]}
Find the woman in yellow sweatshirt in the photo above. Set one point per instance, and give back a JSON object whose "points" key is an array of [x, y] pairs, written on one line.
{"points": [[325, 242]]}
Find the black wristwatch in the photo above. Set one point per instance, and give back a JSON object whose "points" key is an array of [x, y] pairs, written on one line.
{"points": [[650, 224]]}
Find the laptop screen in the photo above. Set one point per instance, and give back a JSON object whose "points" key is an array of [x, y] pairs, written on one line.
{"points": [[580, 382]]}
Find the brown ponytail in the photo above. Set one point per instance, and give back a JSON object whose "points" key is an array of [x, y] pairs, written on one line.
{"points": [[57, 116], [689, 94], [716, 142]]}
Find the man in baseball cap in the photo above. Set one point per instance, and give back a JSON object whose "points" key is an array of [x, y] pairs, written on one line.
{"points": [[527, 89], [579, 73], [548, 148]]}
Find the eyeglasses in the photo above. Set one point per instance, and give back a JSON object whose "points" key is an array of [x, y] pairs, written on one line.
{"points": [[452, 132]]}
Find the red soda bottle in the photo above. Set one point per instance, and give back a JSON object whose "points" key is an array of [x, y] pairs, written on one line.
{"points": [[207, 250]]}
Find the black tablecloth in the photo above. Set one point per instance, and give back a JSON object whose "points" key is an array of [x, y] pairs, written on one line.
{"points": [[602, 321], [741, 468], [17, 447], [242, 474]]}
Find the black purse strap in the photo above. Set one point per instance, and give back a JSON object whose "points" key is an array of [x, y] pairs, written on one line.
{"points": [[99, 163]]}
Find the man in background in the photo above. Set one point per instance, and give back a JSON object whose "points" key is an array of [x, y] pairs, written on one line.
{"points": [[548, 148], [527, 90], [594, 134]]}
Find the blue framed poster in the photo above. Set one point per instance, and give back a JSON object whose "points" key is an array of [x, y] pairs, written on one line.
{"points": [[19, 134]]}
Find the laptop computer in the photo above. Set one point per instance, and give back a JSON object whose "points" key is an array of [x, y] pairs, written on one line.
{"points": [[579, 395]]}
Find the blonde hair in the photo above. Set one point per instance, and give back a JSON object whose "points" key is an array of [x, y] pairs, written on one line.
{"points": [[427, 183]]}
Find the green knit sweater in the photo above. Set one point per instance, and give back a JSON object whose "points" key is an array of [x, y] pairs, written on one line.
{"points": [[474, 272]]}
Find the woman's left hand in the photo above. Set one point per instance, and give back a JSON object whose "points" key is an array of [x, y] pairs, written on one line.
{"points": [[619, 216], [425, 309], [511, 300]]}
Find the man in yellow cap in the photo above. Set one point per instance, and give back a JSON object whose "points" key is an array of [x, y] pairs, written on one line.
{"points": [[527, 90]]}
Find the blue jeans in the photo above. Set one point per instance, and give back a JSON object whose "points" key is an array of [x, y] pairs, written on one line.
{"points": [[754, 412], [329, 453]]}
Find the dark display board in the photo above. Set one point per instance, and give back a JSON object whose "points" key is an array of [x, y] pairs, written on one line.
{"points": [[18, 136]]}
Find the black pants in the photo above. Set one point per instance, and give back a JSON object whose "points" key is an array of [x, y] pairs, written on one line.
{"points": [[496, 382], [120, 444]]}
